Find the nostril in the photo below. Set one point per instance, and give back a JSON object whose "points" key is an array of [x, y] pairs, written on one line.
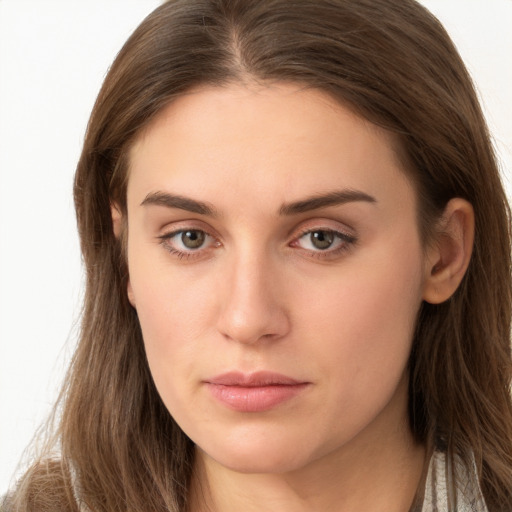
{"points": [[253, 326]]}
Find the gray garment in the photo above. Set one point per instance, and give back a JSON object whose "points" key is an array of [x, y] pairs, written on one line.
{"points": [[438, 496], [438, 488]]}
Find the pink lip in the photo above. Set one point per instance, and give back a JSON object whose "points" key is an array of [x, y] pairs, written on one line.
{"points": [[255, 392]]}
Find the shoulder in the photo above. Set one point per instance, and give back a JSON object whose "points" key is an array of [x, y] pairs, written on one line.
{"points": [[46, 487], [452, 485]]}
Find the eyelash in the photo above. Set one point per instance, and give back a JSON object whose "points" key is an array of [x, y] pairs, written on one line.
{"points": [[164, 240], [345, 242]]}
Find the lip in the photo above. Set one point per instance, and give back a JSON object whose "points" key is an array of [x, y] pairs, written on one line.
{"points": [[254, 392]]}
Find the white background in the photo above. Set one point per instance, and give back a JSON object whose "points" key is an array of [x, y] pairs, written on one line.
{"points": [[53, 57]]}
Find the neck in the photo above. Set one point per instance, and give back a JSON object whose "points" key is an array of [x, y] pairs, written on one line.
{"points": [[378, 470]]}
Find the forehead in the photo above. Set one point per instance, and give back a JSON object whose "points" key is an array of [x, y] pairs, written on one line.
{"points": [[279, 141]]}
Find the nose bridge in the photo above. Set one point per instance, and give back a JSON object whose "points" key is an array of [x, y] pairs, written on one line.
{"points": [[253, 307]]}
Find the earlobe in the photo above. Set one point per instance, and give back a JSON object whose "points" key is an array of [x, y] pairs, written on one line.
{"points": [[449, 254]]}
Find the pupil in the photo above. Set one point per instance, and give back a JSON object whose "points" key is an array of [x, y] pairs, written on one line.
{"points": [[192, 239], [322, 239]]}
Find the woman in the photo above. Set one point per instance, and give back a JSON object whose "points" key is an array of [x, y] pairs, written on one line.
{"points": [[298, 289]]}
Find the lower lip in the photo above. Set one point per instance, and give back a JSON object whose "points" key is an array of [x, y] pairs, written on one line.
{"points": [[255, 399]]}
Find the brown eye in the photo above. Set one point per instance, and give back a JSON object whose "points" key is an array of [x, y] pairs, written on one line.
{"points": [[322, 240], [324, 243], [186, 243], [193, 239]]}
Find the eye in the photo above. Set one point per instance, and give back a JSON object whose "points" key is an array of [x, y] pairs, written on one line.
{"points": [[327, 241], [187, 242], [321, 240], [192, 239]]}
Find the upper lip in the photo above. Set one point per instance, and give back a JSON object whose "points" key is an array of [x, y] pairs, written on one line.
{"points": [[256, 379]]}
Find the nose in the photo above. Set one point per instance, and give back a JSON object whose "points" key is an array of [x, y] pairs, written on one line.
{"points": [[253, 302]]}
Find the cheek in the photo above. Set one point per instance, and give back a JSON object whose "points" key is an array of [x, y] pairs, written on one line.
{"points": [[176, 309], [169, 299], [172, 312], [364, 324]]}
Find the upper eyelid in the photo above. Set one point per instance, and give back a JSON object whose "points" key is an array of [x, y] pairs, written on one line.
{"points": [[324, 225], [308, 226], [324, 228], [346, 238], [191, 225], [175, 231], [171, 234]]}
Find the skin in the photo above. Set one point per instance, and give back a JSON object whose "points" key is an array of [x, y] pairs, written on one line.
{"points": [[259, 295]]}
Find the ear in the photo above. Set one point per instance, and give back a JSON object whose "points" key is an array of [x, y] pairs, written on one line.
{"points": [[129, 292], [117, 226], [449, 254], [117, 219]]}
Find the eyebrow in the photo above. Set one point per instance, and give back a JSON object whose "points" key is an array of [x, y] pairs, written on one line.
{"points": [[180, 202], [325, 200], [315, 202]]}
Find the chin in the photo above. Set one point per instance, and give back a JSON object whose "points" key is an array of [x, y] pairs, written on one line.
{"points": [[259, 464], [266, 456]]}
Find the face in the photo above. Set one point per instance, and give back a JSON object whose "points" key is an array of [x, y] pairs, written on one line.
{"points": [[277, 271]]}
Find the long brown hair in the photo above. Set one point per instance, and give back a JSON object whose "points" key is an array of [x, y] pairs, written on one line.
{"points": [[394, 64]]}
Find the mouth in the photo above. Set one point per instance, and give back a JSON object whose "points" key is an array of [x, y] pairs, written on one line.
{"points": [[255, 392]]}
